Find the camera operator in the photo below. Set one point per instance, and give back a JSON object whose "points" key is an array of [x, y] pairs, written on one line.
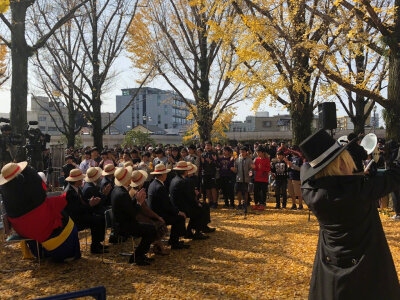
{"points": [[7, 149], [36, 146]]}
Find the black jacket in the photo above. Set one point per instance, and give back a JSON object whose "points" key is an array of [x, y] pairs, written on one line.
{"points": [[179, 193], [103, 184], [353, 260], [91, 190], [158, 200], [358, 154], [124, 210], [76, 205]]}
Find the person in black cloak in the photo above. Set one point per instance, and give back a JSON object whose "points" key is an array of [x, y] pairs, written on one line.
{"points": [[353, 259]]}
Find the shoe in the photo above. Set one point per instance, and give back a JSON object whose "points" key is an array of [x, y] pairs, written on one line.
{"points": [[226, 205], [294, 207], [277, 207], [208, 229], [179, 246], [149, 259], [199, 236], [396, 217], [139, 261], [189, 236], [240, 206], [97, 250], [284, 206], [113, 239], [232, 206], [300, 207]]}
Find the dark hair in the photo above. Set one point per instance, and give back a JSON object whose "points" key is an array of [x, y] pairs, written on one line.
{"points": [[134, 151], [69, 157], [193, 147], [280, 152], [95, 149], [227, 148], [175, 149], [104, 153], [244, 148], [146, 154], [261, 148], [158, 150], [88, 152], [208, 143]]}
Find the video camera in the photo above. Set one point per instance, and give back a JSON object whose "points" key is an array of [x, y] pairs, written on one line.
{"points": [[12, 145]]}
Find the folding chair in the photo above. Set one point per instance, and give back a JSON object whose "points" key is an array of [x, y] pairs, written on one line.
{"points": [[109, 222]]}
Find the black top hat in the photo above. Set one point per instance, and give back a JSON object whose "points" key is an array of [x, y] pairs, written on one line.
{"points": [[320, 149]]}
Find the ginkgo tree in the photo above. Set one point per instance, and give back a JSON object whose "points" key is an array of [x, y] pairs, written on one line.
{"points": [[173, 39], [384, 18], [275, 40]]}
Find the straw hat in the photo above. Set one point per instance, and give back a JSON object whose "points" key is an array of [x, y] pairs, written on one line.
{"points": [[93, 174], [182, 166], [193, 168], [122, 177], [160, 169], [75, 175], [138, 178], [128, 163], [109, 169], [11, 170]]}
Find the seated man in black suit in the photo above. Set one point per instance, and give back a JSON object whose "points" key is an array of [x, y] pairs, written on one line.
{"points": [[108, 179], [69, 165], [91, 189], [159, 202], [193, 201], [179, 191], [82, 212], [125, 210]]}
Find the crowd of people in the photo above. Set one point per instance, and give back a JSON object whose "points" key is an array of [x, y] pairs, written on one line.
{"points": [[149, 187]]}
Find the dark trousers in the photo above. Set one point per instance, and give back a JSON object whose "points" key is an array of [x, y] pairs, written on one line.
{"points": [[280, 190], [228, 189], [260, 192], [96, 225], [148, 234], [178, 227], [396, 201]]}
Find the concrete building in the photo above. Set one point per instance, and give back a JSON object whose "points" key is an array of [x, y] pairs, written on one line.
{"points": [[164, 109]]}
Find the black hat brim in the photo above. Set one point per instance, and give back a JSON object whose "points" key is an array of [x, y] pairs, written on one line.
{"points": [[307, 173]]}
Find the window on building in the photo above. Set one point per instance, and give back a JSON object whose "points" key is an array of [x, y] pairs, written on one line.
{"points": [[42, 118], [159, 119], [266, 123], [165, 109], [42, 128], [52, 128], [165, 126]]}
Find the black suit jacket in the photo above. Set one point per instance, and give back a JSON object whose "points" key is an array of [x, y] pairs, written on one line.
{"points": [[103, 184], [76, 205], [179, 193], [158, 200], [124, 210]]}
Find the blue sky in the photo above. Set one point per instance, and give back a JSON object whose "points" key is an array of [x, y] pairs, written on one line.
{"points": [[127, 77]]}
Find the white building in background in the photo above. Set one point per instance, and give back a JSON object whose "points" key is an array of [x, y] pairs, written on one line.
{"points": [[161, 108]]}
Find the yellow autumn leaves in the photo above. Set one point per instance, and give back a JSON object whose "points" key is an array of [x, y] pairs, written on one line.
{"points": [[4, 5], [269, 255]]}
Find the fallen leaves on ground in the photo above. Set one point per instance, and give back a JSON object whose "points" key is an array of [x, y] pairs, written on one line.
{"points": [[268, 255]]}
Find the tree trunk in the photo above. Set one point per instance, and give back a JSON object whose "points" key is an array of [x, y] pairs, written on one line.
{"points": [[19, 56], [204, 122], [392, 111], [96, 123], [360, 117], [301, 124], [70, 128]]}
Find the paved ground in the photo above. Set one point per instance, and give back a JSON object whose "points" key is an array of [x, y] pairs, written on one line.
{"points": [[269, 255]]}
